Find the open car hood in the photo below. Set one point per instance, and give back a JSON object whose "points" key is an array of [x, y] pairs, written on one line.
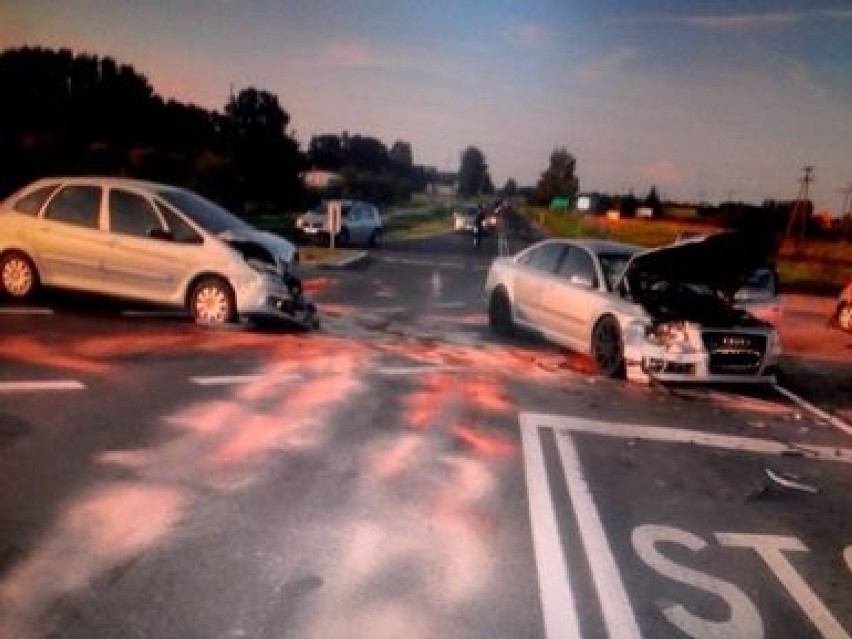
{"points": [[694, 281]]}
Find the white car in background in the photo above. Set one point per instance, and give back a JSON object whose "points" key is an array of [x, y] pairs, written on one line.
{"points": [[360, 223], [665, 313], [146, 241]]}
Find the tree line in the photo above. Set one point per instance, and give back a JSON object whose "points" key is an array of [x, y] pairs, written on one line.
{"points": [[72, 114]]}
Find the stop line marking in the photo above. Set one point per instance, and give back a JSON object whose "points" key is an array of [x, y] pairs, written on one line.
{"points": [[557, 598]]}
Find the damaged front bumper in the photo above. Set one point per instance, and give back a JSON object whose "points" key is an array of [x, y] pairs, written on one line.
{"points": [[704, 356], [278, 298]]}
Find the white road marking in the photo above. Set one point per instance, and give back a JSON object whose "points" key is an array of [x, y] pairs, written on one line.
{"points": [[557, 598], [390, 309], [227, 380], [41, 385], [682, 436], [618, 614], [821, 414], [416, 370], [25, 311], [770, 548], [154, 313]]}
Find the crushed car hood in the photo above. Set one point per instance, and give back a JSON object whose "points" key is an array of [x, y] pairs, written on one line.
{"points": [[695, 281], [249, 243]]}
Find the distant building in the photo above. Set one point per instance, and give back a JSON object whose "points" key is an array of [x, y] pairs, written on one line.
{"points": [[319, 179]]}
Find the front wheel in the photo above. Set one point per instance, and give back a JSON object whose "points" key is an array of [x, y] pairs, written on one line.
{"points": [[500, 313], [844, 317], [608, 347], [18, 276], [212, 302], [376, 238]]}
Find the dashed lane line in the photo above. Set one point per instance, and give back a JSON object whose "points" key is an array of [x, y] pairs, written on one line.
{"points": [[41, 385], [232, 380], [25, 311]]}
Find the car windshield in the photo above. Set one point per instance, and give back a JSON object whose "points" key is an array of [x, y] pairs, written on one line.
{"points": [[209, 216], [613, 265]]}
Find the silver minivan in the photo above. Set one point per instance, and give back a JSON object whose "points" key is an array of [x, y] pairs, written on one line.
{"points": [[146, 241], [360, 223]]}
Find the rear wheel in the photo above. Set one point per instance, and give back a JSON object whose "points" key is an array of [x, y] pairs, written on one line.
{"points": [[500, 313], [18, 276], [212, 302], [844, 317], [608, 347]]}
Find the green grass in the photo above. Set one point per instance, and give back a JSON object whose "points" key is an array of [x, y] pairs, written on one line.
{"points": [[408, 222]]}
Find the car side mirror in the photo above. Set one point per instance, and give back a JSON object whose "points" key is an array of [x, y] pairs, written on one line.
{"points": [[160, 234]]}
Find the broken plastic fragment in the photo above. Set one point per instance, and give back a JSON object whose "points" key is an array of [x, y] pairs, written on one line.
{"points": [[790, 482]]}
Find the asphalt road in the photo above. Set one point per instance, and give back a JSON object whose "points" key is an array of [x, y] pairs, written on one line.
{"points": [[400, 473]]}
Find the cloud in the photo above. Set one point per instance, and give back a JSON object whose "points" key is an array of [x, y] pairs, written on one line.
{"points": [[605, 66], [746, 21], [532, 35], [344, 54], [662, 172], [350, 55]]}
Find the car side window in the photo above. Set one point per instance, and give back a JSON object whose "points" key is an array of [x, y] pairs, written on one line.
{"points": [[31, 203], [131, 214], [79, 205], [182, 233], [545, 258], [578, 263]]}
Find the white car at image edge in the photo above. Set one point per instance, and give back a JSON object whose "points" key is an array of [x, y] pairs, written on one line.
{"points": [[664, 313], [146, 241]]}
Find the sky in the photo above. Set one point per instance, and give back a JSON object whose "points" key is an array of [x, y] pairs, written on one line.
{"points": [[706, 101]]}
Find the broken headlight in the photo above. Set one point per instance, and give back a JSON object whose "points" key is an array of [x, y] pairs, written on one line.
{"points": [[672, 335]]}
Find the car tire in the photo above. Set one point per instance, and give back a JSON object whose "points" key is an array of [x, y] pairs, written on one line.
{"points": [[500, 313], [212, 302], [608, 347], [343, 237], [844, 317], [18, 276], [376, 238]]}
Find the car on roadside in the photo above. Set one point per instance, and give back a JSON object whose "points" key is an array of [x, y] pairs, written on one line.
{"points": [[842, 315], [666, 314], [149, 242], [464, 219], [359, 223]]}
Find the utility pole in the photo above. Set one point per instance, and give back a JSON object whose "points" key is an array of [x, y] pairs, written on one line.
{"points": [[846, 212], [799, 211], [846, 208]]}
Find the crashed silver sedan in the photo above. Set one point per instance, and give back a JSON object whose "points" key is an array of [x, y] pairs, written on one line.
{"points": [[146, 241], [668, 314]]}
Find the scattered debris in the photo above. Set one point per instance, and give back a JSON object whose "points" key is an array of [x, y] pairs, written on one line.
{"points": [[776, 481], [792, 482]]}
